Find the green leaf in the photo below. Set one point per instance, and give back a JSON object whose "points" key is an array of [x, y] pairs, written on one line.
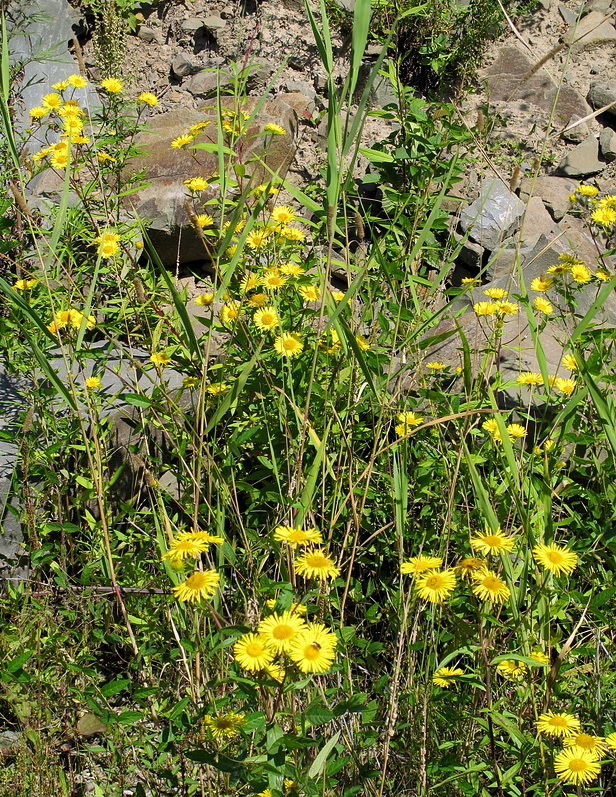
{"points": [[114, 687], [376, 155], [319, 762], [136, 399]]}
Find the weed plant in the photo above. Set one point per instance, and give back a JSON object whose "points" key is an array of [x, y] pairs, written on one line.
{"points": [[300, 578]]}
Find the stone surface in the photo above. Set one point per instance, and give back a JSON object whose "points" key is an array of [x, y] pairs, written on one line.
{"points": [[591, 30], [150, 35], [582, 161], [183, 65], [192, 25], [575, 131], [607, 144], [494, 215], [602, 93], [506, 79], [205, 84], [554, 192], [535, 223], [214, 24]]}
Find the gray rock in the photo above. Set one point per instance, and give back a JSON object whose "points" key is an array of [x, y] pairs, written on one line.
{"points": [[192, 26], [554, 192], [568, 14], [494, 216], [601, 93], [214, 24], [205, 84], [300, 87], [607, 144], [150, 35], [470, 253], [9, 742], [182, 65], [598, 5], [593, 29], [582, 161], [535, 223], [575, 132]]}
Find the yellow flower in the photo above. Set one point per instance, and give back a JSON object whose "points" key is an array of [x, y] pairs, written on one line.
{"points": [[253, 652], [229, 312], [514, 670], [291, 234], [610, 741], [288, 345], [261, 189], [298, 608], [274, 129], [608, 201], [491, 427], [77, 81], [562, 725], [316, 564], [539, 655], [202, 584], [444, 676], [195, 129], [603, 275], [266, 318], [280, 629], [436, 585], [541, 284], [112, 84], [541, 304], [218, 388], [587, 190], [204, 299], [38, 112], [595, 745], [185, 548], [466, 567], [507, 308], [181, 141], [24, 285], [249, 282], [93, 382], [108, 244], [202, 537], [292, 270], [603, 216], [204, 220], [295, 536], [257, 239], [408, 420], [283, 214], [61, 85], [272, 280], [196, 184], [489, 587], [485, 308], [566, 386], [576, 766], [104, 157], [420, 564], [435, 366], [224, 726], [495, 293], [309, 293], [51, 101], [555, 558], [314, 648], [530, 378], [59, 160], [362, 343], [570, 362], [337, 296], [580, 273], [515, 430], [160, 358], [258, 300], [492, 543], [148, 98]]}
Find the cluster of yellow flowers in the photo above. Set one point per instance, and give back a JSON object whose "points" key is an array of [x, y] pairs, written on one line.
{"points": [[603, 210], [73, 319], [186, 549]]}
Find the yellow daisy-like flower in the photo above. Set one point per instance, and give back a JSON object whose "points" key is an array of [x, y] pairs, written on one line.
{"points": [[182, 141], [507, 308], [408, 421], [283, 214], [543, 305], [316, 564], [491, 427], [257, 239], [485, 308], [515, 431], [298, 608], [596, 745], [362, 343], [203, 537], [93, 382], [264, 187], [445, 676], [292, 233], [576, 766], [292, 270], [492, 543], [570, 362], [281, 629], [147, 98], [288, 345], [205, 220], [77, 81], [160, 358], [496, 293], [59, 160], [218, 388], [61, 85], [309, 293], [38, 112], [294, 536], [337, 296], [185, 548], [608, 201], [258, 300], [587, 190], [603, 216], [108, 244], [435, 366], [489, 587], [229, 312], [24, 285], [470, 281], [204, 299], [195, 129], [200, 585], [224, 726], [112, 84], [196, 184], [555, 558], [272, 280], [541, 284], [580, 273], [249, 282], [314, 648], [104, 157], [420, 564], [566, 386], [254, 652], [436, 585], [561, 725], [274, 129], [468, 566], [610, 741], [51, 101], [514, 670], [530, 378], [265, 793], [603, 275], [540, 656], [266, 318]]}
